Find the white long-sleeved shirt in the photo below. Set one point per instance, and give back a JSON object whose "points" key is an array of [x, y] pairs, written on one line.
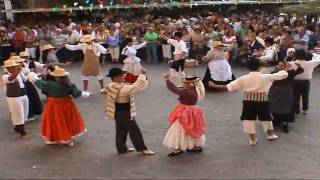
{"points": [[308, 67], [179, 46], [269, 54], [132, 50], [255, 82], [97, 48]]}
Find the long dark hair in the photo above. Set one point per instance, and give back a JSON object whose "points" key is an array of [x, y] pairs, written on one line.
{"points": [[66, 83]]}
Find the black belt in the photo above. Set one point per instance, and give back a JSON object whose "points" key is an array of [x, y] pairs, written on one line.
{"points": [[122, 106]]}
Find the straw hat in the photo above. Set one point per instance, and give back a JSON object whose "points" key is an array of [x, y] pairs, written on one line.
{"points": [[48, 46], [59, 72], [24, 54], [87, 38], [17, 59], [217, 43], [9, 63], [191, 79]]}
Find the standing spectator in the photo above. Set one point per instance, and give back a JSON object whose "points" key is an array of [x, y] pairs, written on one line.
{"points": [[59, 41], [113, 45], [32, 42], [44, 36], [301, 40], [197, 43], [152, 43], [18, 40], [5, 46]]}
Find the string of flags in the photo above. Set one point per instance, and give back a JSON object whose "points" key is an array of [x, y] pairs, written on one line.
{"points": [[171, 4]]}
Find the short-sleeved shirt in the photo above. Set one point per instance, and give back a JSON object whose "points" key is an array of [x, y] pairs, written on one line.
{"points": [[152, 37]]}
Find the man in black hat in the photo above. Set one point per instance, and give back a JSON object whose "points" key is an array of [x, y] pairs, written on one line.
{"points": [[120, 106]]}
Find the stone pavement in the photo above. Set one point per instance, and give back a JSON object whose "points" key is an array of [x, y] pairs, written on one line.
{"points": [[227, 154]]}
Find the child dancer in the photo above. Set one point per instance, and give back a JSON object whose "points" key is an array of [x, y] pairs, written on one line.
{"points": [[132, 66], [187, 120], [62, 121], [255, 104], [16, 96]]}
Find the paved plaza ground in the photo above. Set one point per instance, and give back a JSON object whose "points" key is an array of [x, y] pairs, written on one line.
{"points": [[227, 153]]}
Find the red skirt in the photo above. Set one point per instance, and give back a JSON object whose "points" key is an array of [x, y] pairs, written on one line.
{"points": [[62, 121], [130, 78], [191, 118]]}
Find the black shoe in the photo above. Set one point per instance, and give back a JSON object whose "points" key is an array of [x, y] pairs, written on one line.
{"points": [[196, 150], [285, 128], [175, 153]]}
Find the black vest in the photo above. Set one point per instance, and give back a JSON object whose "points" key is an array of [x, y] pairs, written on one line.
{"points": [[14, 89]]}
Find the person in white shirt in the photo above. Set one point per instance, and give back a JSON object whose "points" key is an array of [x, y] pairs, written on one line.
{"points": [[179, 55], [90, 65], [301, 84], [255, 105], [16, 96], [132, 65], [269, 58]]}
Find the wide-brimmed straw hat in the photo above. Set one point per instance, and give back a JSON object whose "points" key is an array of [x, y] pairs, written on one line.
{"points": [[87, 38], [217, 43], [24, 54], [9, 63], [17, 59], [59, 72], [48, 46], [190, 79]]}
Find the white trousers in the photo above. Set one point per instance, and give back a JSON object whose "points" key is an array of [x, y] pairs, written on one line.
{"points": [[166, 51], [32, 52], [249, 126], [114, 53], [19, 109]]}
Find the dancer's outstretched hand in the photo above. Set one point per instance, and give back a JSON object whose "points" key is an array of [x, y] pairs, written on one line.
{"points": [[167, 76]]}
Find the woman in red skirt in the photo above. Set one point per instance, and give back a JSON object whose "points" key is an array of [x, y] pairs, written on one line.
{"points": [[62, 121], [187, 122]]}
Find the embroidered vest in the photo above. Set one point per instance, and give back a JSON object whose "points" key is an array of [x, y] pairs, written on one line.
{"points": [[112, 94]]}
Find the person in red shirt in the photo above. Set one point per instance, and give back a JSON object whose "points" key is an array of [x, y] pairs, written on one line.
{"points": [[18, 40]]}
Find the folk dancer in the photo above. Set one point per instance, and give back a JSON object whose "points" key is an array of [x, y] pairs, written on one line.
{"points": [[120, 106], [132, 66], [255, 105], [62, 121], [187, 122], [219, 69], [281, 97], [90, 65], [179, 55], [301, 83], [16, 96]]}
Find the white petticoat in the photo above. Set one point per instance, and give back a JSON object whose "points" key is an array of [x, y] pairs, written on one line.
{"points": [[220, 70], [176, 138]]}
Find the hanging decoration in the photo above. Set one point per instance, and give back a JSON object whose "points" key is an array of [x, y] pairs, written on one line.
{"points": [[89, 5]]}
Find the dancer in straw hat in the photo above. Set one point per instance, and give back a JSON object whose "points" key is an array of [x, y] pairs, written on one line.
{"points": [[35, 104], [90, 66], [49, 56], [187, 120], [16, 96], [219, 69], [61, 121]]}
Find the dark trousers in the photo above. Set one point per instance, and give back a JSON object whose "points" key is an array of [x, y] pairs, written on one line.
{"points": [[20, 129], [301, 90], [179, 64], [125, 126]]}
